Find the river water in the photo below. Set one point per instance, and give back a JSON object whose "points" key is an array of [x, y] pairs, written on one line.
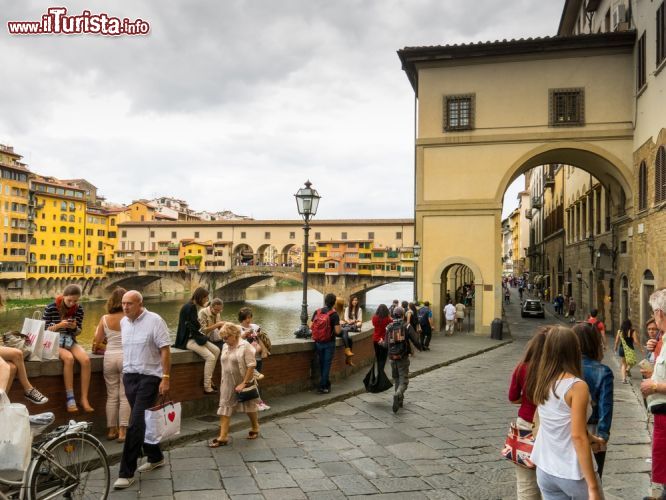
{"points": [[276, 309]]}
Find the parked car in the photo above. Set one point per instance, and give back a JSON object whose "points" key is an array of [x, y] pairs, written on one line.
{"points": [[532, 308]]}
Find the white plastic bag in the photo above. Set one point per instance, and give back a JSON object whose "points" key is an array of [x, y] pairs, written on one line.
{"points": [[15, 438], [33, 329], [50, 345], [162, 422]]}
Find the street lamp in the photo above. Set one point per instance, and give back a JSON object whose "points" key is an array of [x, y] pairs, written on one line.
{"points": [[307, 201], [417, 254]]}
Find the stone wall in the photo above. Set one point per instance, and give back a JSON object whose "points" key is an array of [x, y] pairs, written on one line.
{"points": [[292, 367]]}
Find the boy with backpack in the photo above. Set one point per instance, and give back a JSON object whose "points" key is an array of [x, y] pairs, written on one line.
{"points": [[400, 337], [325, 326]]}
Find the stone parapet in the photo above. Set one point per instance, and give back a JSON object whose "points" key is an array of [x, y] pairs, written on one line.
{"points": [[292, 367]]}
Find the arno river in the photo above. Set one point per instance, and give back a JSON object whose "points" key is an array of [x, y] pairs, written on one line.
{"points": [[277, 310]]}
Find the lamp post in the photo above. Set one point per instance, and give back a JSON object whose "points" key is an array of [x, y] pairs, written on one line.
{"points": [[417, 254], [307, 201]]}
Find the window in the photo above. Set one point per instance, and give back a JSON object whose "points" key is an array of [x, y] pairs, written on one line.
{"points": [[623, 247], [459, 112], [196, 234], [63, 205], [292, 235], [243, 235], [173, 235], [642, 186], [267, 235], [219, 235], [343, 235], [317, 236], [398, 235], [89, 232], [661, 35], [371, 235], [660, 176], [123, 233], [152, 234], [567, 107], [640, 64]]}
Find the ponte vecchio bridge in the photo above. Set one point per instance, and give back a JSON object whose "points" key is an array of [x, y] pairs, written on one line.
{"points": [[346, 257]]}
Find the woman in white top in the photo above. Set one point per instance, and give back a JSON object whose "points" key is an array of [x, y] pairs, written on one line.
{"points": [[351, 322], [562, 453], [117, 407]]}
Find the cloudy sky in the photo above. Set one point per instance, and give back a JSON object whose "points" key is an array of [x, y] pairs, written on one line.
{"points": [[233, 104]]}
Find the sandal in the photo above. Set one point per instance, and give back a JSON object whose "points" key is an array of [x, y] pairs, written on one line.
{"points": [[71, 407], [112, 436], [216, 443], [253, 435]]}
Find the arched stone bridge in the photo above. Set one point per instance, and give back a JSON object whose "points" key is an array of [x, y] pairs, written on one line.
{"points": [[231, 285]]}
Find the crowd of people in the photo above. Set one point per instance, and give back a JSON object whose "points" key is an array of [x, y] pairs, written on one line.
{"points": [[565, 398]]}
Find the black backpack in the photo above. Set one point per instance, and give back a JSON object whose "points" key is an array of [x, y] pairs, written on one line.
{"points": [[397, 343], [423, 317]]}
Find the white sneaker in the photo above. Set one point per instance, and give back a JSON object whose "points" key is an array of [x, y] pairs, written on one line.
{"points": [[148, 466], [258, 375], [262, 406], [123, 482]]}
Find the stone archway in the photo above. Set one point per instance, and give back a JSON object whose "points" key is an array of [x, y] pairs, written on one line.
{"points": [[243, 255], [444, 281]]}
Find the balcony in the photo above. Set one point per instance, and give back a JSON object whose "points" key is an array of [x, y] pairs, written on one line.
{"points": [[549, 181], [536, 202], [528, 213]]}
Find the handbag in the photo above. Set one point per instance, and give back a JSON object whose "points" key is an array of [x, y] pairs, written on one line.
{"points": [[518, 446], [162, 422], [50, 345], [250, 392], [33, 329], [629, 353], [376, 380], [16, 340], [16, 439]]}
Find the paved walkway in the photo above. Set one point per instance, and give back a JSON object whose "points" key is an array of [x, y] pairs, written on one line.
{"points": [[443, 444]]}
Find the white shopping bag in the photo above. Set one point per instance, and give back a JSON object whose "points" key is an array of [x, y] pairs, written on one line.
{"points": [[50, 345], [33, 329], [162, 422], [15, 438]]}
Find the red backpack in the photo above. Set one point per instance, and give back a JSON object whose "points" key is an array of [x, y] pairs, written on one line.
{"points": [[321, 326]]}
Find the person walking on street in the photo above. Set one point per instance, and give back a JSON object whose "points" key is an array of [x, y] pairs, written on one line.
{"points": [[626, 338], [460, 316], [146, 372], [425, 322], [571, 310], [400, 337], [598, 325], [450, 317], [325, 327]]}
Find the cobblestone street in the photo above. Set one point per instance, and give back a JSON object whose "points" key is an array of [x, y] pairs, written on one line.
{"points": [[443, 444]]}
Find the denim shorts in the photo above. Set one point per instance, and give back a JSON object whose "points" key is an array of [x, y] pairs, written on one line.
{"points": [[67, 341]]}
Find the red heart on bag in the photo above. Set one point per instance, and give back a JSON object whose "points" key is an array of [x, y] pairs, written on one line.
{"points": [[171, 415]]}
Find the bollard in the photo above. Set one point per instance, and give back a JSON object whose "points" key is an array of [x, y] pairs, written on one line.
{"points": [[496, 329]]}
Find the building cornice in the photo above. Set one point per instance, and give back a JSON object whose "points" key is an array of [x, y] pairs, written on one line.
{"points": [[411, 57], [275, 222]]}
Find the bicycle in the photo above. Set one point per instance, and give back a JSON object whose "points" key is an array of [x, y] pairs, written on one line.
{"points": [[68, 462]]}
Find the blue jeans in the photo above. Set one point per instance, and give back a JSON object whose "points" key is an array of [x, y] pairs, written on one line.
{"points": [[325, 352]]}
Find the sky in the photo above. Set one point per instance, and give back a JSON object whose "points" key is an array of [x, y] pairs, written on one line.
{"points": [[234, 104]]}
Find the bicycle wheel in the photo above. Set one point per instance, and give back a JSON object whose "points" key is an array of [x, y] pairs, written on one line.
{"points": [[70, 466]]}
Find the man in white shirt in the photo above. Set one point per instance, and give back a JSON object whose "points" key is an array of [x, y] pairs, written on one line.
{"points": [[146, 366], [450, 317]]}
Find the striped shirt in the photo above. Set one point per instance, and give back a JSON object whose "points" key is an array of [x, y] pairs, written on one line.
{"points": [[52, 316]]}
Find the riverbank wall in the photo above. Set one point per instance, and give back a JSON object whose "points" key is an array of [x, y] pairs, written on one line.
{"points": [[291, 368]]}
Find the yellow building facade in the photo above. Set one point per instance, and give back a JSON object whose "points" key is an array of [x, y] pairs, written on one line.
{"points": [[58, 247], [15, 226]]}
